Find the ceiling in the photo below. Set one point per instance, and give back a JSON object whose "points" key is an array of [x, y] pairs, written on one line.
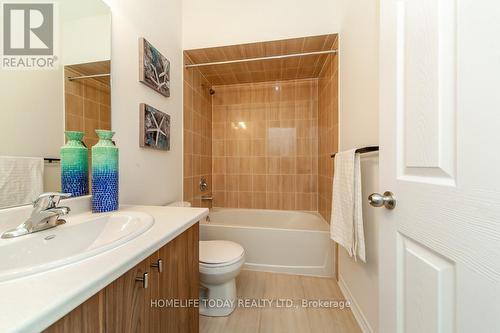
{"points": [[293, 68]]}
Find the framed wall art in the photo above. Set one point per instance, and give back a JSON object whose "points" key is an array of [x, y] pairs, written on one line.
{"points": [[154, 68], [154, 128]]}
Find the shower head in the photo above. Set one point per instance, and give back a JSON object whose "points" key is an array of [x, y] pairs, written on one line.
{"points": [[211, 91]]}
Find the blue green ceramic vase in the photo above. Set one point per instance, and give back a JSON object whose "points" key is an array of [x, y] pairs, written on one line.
{"points": [[74, 165], [104, 173]]}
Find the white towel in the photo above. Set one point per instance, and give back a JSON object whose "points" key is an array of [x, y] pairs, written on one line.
{"points": [[21, 180], [346, 226]]}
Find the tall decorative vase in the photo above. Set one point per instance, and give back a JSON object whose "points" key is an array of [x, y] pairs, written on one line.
{"points": [[104, 173], [74, 165]]}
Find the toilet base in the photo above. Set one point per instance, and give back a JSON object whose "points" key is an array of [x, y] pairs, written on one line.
{"points": [[218, 300]]}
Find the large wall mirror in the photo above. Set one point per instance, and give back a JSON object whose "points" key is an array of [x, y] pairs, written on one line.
{"points": [[38, 105]]}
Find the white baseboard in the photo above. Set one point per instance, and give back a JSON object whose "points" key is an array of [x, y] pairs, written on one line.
{"points": [[356, 310]]}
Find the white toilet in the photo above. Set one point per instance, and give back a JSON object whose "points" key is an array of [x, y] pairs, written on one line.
{"points": [[220, 264]]}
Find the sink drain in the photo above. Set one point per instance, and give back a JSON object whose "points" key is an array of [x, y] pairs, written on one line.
{"points": [[49, 237]]}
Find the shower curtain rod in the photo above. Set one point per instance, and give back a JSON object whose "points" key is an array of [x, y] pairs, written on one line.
{"points": [[261, 58], [87, 76]]}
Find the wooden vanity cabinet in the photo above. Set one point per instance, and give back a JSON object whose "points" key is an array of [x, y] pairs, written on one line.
{"points": [[125, 305], [125, 302]]}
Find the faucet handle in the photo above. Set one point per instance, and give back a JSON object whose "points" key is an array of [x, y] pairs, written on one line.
{"points": [[49, 199]]}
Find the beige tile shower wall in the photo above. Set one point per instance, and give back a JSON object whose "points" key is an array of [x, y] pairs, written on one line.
{"points": [[328, 133], [197, 136], [265, 145], [87, 107]]}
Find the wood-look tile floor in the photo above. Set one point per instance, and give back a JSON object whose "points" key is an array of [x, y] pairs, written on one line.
{"points": [[260, 285]]}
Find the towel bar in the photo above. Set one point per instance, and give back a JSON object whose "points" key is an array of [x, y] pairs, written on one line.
{"points": [[363, 150], [51, 160]]}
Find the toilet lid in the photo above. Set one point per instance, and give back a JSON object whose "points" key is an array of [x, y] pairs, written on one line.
{"points": [[219, 251]]}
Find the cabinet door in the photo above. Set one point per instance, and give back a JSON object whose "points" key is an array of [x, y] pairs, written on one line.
{"points": [[179, 282], [167, 287], [87, 318], [153, 296], [125, 308], [191, 270]]}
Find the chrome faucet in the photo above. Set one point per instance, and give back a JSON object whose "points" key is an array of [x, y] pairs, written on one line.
{"points": [[45, 215]]}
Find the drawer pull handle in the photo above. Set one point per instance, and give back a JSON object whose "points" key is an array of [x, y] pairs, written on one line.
{"points": [[158, 264], [144, 279]]}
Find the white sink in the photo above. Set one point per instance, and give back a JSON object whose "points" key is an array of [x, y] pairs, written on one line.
{"points": [[81, 237]]}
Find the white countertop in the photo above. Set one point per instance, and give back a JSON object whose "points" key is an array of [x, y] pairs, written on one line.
{"points": [[32, 303]]}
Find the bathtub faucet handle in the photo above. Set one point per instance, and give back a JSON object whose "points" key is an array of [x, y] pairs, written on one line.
{"points": [[203, 184], [207, 198]]}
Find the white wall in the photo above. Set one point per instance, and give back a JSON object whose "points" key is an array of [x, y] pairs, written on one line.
{"points": [[87, 39], [226, 22], [358, 70], [31, 112], [85, 31], [358, 127], [146, 176]]}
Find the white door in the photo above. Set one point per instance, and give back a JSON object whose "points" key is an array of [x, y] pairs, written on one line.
{"points": [[440, 156]]}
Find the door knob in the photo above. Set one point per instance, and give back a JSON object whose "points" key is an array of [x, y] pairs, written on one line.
{"points": [[378, 200]]}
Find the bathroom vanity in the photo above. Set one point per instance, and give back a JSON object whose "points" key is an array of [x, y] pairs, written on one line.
{"points": [[62, 286], [128, 303]]}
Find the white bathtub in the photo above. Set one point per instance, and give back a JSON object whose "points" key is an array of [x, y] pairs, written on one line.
{"points": [[275, 240]]}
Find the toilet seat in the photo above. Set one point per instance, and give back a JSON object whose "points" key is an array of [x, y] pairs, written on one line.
{"points": [[219, 253]]}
